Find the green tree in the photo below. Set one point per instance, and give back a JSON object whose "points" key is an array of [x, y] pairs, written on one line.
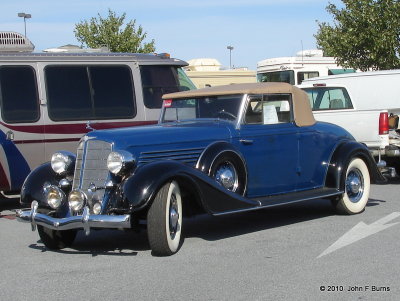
{"points": [[365, 34], [99, 32]]}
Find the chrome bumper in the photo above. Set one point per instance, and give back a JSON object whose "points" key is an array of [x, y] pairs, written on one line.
{"points": [[84, 221]]}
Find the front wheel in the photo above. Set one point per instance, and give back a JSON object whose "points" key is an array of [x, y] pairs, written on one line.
{"points": [[55, 239], [357, 186], [164, 221]]}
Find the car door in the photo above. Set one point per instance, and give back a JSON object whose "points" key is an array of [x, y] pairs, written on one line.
{"points": [[268, 141]]}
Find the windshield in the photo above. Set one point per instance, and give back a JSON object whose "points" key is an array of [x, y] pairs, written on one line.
{"points": [[216, 107]]}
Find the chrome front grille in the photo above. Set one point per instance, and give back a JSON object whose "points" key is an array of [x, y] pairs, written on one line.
{"points": [[91, 164], [187, 156]]}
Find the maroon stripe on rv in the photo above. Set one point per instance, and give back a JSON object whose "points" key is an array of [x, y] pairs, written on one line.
{"points": [[78, 128], [46, 141]]}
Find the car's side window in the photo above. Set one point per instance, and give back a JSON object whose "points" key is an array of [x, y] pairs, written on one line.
{"points": [[269, 109]]}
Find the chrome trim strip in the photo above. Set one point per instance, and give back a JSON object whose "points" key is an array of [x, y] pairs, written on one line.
{"points": [[86, 221]]}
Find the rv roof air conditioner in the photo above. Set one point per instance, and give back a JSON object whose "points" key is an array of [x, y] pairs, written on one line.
{"points": [[15, 42]]}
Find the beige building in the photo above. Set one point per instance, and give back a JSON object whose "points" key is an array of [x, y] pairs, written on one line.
{"points": [[207, 72]]}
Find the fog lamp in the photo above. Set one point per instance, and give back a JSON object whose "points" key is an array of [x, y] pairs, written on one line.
{"points": [[76, 200], [54, 196], [97, 208]]}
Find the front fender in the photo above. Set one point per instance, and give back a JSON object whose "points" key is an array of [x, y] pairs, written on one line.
{"points": [[140, 189], [342, 157], [32, 189]]}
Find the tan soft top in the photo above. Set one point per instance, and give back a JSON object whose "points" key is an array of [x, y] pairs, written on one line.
{"points": [[303, 115]]}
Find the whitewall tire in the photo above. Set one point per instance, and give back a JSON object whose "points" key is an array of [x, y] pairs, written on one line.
{"points": [[356, 188], [164, 220]]}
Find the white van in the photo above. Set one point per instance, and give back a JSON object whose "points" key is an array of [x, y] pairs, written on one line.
{"points": [[367, 104], [49, 100]]}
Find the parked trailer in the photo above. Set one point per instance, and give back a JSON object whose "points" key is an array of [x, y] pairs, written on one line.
{"points": [[48, 101]]}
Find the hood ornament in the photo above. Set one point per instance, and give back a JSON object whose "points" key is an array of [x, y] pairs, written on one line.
{"points": [[89, 127]]}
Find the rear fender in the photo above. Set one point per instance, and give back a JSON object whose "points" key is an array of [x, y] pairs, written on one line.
{"points": [[340, 159]]}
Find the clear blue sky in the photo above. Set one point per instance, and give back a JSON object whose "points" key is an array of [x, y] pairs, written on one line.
{"points": [[257, 29]]}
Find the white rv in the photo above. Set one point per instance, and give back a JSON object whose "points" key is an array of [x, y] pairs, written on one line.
{"points": [[293, 70], [49, 100]]}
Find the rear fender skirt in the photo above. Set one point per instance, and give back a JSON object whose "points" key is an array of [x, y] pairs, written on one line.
{"points": [[32, 189], [140, 189], [342, 157]]}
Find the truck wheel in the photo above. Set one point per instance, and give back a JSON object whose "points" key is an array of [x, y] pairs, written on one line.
{"points": [[164, 221], [357, 186], [54, 239], [229, 171]]}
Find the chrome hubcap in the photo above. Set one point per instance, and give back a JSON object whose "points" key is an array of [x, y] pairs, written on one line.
{"points": [[354, 185], [173, 216], [226, 175]]}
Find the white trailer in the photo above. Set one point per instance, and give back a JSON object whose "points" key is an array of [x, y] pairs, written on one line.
{"points": [[293, 70]]}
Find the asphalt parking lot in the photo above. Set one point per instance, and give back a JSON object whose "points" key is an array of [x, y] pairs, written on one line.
{"points": [[297, 252]]}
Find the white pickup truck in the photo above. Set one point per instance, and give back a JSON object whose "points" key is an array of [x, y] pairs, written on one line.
{"points": [[367, 104]]}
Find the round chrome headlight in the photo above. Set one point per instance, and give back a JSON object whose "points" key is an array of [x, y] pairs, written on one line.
{"points": [[54, 196], [97, 208], [120, 162], [63, 162], [76, 200]]}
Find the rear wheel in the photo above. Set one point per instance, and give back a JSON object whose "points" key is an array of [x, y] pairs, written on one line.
{"points": [[55, 239], [357, 187], [164, 221]]}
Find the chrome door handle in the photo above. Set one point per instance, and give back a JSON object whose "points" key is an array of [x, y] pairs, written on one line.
{"points": [[246, 142]]}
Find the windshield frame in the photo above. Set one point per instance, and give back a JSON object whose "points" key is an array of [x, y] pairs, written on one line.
{"points": [[236, 121]]}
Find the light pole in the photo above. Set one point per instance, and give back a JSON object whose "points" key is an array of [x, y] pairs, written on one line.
{"points": [[25, 16], [230, 48]]}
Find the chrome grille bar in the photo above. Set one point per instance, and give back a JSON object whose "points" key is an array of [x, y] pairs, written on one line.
{"points": [[91, 164]]}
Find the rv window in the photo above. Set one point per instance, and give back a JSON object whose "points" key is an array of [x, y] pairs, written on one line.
{"points": [[306, 75], [159, 80], [277, 76], [90, 92], [18, 94], [328, 98]]}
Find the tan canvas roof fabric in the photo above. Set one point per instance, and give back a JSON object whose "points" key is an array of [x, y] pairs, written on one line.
{"points": [[303, 115]]}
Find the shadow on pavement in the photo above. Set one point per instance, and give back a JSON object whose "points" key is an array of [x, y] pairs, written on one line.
{"points": [[209, 228]]}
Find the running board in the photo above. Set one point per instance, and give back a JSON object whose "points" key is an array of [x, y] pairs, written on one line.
{"points": [[294, 197]]}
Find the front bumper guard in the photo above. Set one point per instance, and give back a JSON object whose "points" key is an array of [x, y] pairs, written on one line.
{"points": [[84, 221]]}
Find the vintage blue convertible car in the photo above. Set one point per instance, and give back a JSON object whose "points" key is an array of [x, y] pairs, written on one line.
{"points": [[218, 150]]}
